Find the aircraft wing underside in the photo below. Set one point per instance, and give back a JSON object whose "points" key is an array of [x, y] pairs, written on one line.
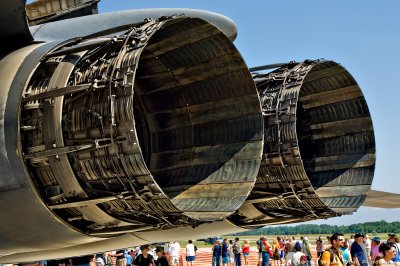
{"points": [[382, 199]]}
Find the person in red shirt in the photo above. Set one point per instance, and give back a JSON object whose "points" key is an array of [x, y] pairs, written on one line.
{"points": [[282, 248], [246, 251]]}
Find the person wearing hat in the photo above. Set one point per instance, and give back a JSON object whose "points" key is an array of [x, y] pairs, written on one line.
{"points": [[144, 259], [357, 253], [303, 260], [376, 241]]}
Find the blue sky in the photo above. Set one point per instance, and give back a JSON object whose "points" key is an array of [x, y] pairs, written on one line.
{"points": [[363, 36]]}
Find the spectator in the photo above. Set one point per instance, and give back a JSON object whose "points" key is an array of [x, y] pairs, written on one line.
{"points": [[394, 240], [367, 243], [231, 255], [344, 247], [144, 259], [162, 258], [289, 250], [190, 253], [166, 247], [266, 252], [276, 252], [388, 254], [351, 241], [137, 251], [306, 249], [129, 259], [216, 251], [152, 251], [225, 252], [357, 253], [246, 251], [174, 248], [320, 246], [333, 255], [376, 241], [121, 260], [108, 259], [99, 260], [237, 250], [282, 247], [259, 251], [82, 260], [303, 261], [296, 256]]}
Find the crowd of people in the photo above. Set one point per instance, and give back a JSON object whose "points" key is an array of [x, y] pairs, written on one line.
{"points": [[359, 250], [335, 250], [166, 254], [231, 252]]}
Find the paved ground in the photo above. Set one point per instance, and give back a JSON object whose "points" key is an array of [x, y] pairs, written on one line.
{"points": [[204, 257]]}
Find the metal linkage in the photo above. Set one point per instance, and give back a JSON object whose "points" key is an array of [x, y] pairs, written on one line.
{"points": [[281, 151], [116, 191], [117, 166]]}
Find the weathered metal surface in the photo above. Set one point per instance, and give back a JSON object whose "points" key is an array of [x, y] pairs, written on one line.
{"points": [[14, 30], [112, 23], [381, 199], [42, 11], [18, 195], [158, 127], [319, 150]]}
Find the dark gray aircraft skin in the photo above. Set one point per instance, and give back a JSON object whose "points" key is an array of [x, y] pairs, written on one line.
{"points": [[130, 130]]}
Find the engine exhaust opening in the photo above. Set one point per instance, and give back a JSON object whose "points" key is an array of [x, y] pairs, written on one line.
{"points": [[336, 137], [158, 127], [201, 117], [319, 150]]}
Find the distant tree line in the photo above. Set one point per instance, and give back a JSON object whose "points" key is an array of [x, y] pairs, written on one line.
{"points": [[369, 227]]}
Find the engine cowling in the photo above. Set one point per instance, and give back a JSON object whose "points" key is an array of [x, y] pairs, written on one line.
{"points": [[319, 146]]}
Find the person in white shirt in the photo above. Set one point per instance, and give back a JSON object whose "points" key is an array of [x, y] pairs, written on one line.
{"points": [[174, 248], [231, 254], [351, 241], [237, 250], [152, 252], [166, 247], [296, 256], [190, 253], [99, 260], [367, 243]]}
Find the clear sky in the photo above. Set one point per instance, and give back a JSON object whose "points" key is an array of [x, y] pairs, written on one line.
{"points": [[363, 36]]}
